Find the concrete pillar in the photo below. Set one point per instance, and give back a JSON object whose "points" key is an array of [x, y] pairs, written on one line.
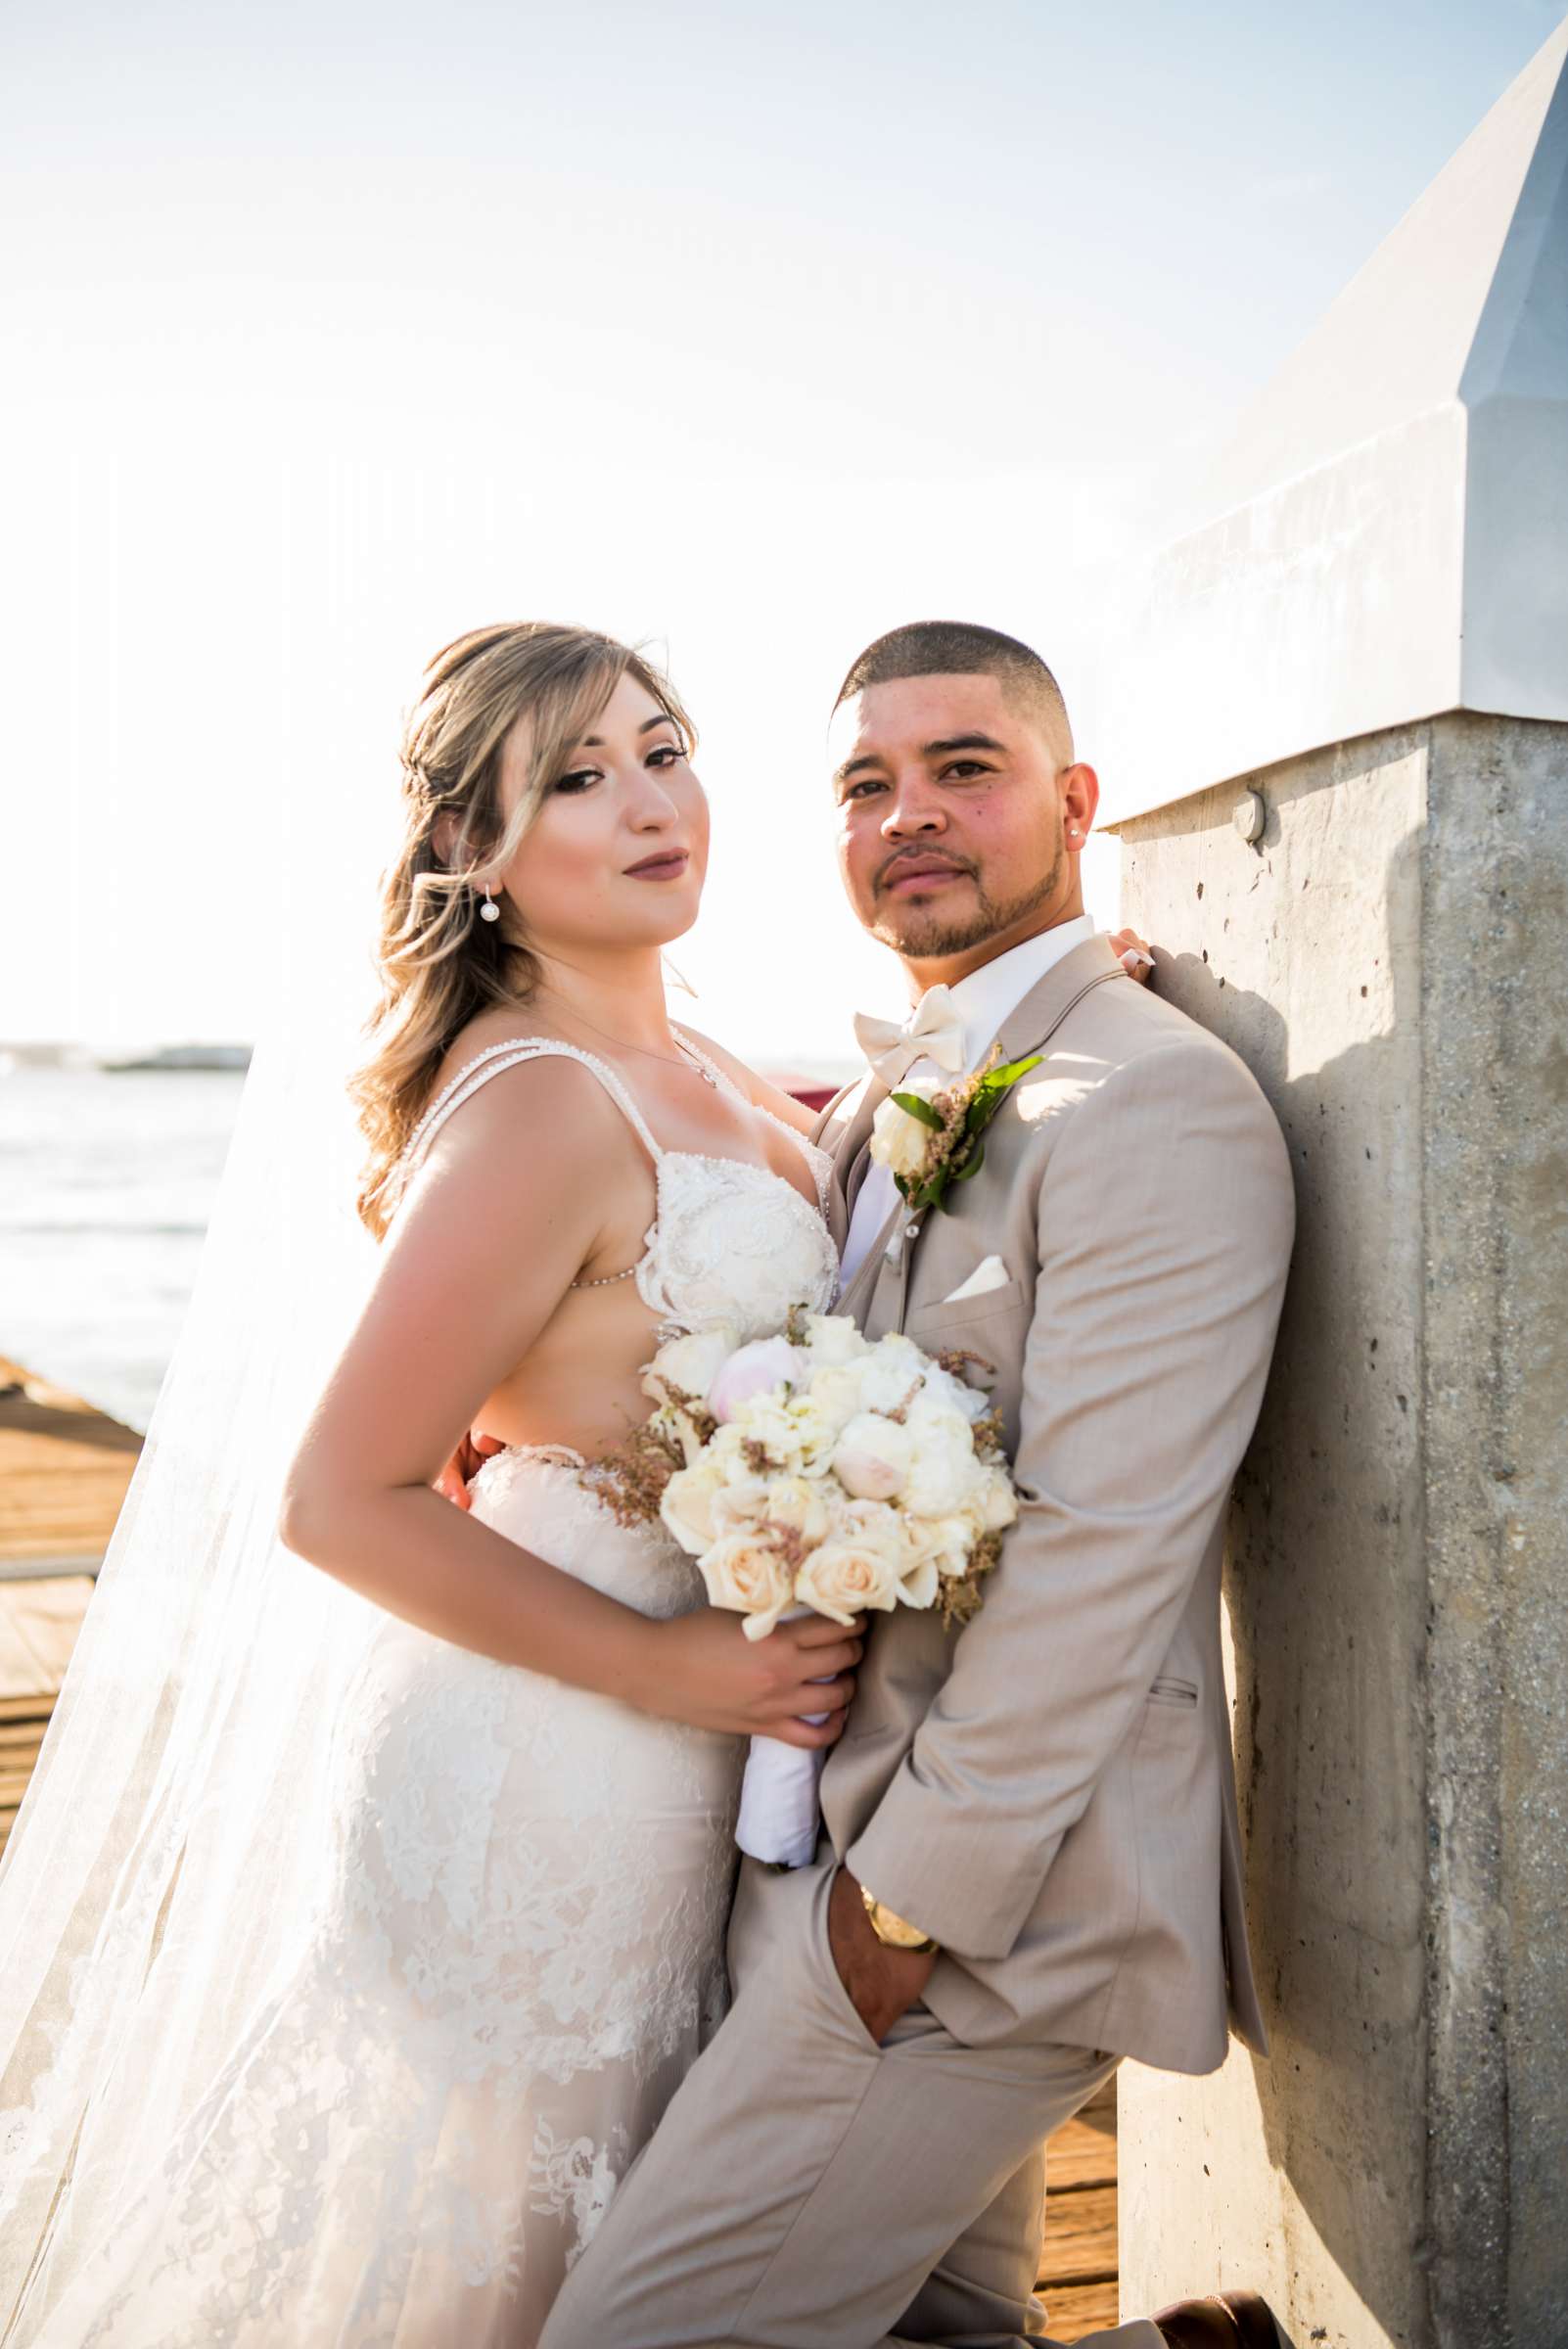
{"points": [[1360, 645], [1387, 961]]}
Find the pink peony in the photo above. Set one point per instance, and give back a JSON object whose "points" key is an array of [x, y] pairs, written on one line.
{"points": [[754, 1369]]}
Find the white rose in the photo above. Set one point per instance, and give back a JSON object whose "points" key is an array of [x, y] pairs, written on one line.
{"points": [[891, 1375], [942, 1387], [944, 1543], [899, 1142], [836, 1394], [999, 1502], [833, 1339], [943, 1471], [740, 1505], [687, 1503], [749, 1575], [844, 1575], [793, 1430], [872, 1458], [690, 1365], [919, 1584], [798, 1504]]}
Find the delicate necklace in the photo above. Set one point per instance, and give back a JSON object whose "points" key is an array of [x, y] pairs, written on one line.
{"points": [[688, 1058]]}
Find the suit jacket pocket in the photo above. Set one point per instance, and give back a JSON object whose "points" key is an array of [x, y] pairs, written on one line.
{"points": [[939, 1318]]}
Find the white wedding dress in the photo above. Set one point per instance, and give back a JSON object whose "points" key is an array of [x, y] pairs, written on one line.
{"points": [[518, 1951]]}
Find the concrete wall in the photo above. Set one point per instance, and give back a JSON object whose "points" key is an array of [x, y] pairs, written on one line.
{"points": [[1391, 960]]}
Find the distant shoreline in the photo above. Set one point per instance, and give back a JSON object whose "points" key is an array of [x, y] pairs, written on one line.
{"points": [[123, 1060]]}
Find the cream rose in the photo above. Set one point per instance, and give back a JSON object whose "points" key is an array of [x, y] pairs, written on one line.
{"points": [[899, 1141], [749, 1575], [687, 1503], [844, 1575], [872, 1458]]}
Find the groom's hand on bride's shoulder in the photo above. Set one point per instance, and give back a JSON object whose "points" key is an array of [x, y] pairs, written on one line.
{"points": [[882, 1982], [466, 1462]]}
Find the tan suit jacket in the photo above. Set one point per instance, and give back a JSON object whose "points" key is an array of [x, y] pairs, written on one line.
{"points": [[1050, 1791]]}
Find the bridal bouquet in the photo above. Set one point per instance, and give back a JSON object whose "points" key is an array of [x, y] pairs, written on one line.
{"points": [[818, 1469]]}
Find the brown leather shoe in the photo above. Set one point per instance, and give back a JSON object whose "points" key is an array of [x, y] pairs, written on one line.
{"points": [[1224, 2321]]}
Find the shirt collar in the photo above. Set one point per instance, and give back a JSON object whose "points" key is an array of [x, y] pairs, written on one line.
{"points": [[986, 997]]}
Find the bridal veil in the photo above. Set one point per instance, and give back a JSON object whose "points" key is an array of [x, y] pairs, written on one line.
{"points": [[162, 1870]]}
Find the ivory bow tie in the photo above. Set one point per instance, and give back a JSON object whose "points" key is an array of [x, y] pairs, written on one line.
{"points": [[933, 1031]]}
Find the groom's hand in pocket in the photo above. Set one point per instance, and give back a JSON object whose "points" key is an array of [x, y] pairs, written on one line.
{"points": [[881, 1982]]}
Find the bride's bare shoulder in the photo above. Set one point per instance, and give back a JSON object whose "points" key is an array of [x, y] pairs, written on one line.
{"points": [[758, 1088]]}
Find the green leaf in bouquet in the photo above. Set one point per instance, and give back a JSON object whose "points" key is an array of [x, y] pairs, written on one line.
{"points": [[973, 1163]]}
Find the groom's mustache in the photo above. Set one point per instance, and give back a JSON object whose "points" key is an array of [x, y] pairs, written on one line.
{"points": [[922, 860]]}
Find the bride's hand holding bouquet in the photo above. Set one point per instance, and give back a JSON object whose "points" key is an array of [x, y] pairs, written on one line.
{"points": [[816, 1472]]}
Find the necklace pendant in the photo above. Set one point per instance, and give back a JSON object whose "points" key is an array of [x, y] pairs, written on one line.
{"points": [[708, 1078]]}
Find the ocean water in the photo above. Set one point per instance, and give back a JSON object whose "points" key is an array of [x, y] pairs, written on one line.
{"points": [[107, 1181]]}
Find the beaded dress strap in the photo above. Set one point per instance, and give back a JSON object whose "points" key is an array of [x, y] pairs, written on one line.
{"points": [[509, 1056]]}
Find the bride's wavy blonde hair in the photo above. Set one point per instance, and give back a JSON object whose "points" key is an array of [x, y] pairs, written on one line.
{"points": [[439, 963]]}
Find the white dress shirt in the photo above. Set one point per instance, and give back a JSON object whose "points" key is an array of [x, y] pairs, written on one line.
{"points": [[984, 1002]]}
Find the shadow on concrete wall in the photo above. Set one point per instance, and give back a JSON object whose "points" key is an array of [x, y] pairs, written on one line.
{"points": [[1326, 1606]]}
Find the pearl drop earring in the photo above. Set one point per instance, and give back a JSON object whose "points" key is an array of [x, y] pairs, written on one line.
{"points": [[489, 911]]}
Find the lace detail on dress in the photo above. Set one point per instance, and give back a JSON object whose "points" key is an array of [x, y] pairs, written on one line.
{"points": [[517, 1955], [730, 1241], [516, 1951], [574, 2182], [733, 1243]]}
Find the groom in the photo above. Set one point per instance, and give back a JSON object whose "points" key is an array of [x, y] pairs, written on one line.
{"points": [[1031, 1863]]}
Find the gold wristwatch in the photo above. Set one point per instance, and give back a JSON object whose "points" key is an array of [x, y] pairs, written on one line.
{"points": [[896, 1932]]}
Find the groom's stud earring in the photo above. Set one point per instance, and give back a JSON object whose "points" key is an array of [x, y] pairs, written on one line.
{"points": [[489, 911]]}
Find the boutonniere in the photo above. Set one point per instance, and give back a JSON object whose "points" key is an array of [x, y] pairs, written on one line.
{"points": [[929, 1135]]}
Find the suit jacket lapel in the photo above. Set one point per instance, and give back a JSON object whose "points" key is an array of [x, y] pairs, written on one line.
{"points": [[1031, 1025], [844, 1131], [1027, 1028]]}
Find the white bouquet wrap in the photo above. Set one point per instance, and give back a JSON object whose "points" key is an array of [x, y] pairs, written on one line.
{"points": [[827, 1471]]}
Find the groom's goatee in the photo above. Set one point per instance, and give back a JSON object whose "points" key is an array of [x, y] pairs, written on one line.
{"points": [[931, 936]]}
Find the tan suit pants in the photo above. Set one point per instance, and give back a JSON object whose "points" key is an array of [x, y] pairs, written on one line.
{"points": [[808, 2189]]}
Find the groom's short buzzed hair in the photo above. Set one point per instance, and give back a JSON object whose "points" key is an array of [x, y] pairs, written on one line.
{"points": [[929, 648]]}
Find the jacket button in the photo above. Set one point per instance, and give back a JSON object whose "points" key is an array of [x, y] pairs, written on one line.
{"points": [[911, 1232]]}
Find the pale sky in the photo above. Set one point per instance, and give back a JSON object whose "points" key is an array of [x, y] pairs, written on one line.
{"points": [[332, 331]]}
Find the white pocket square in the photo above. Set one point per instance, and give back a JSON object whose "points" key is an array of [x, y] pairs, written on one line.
{"points": [[990, 1274]]}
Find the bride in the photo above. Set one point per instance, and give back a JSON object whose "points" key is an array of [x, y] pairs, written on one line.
{"points": [[400, 1921]]}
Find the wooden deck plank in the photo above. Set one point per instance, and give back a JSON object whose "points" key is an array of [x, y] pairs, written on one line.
{"points": [[1080, 2154], [1080, 2236], [46, 1616], [1074, 2309], [64, 1469], [1079, 2264], [23, 1674]]}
